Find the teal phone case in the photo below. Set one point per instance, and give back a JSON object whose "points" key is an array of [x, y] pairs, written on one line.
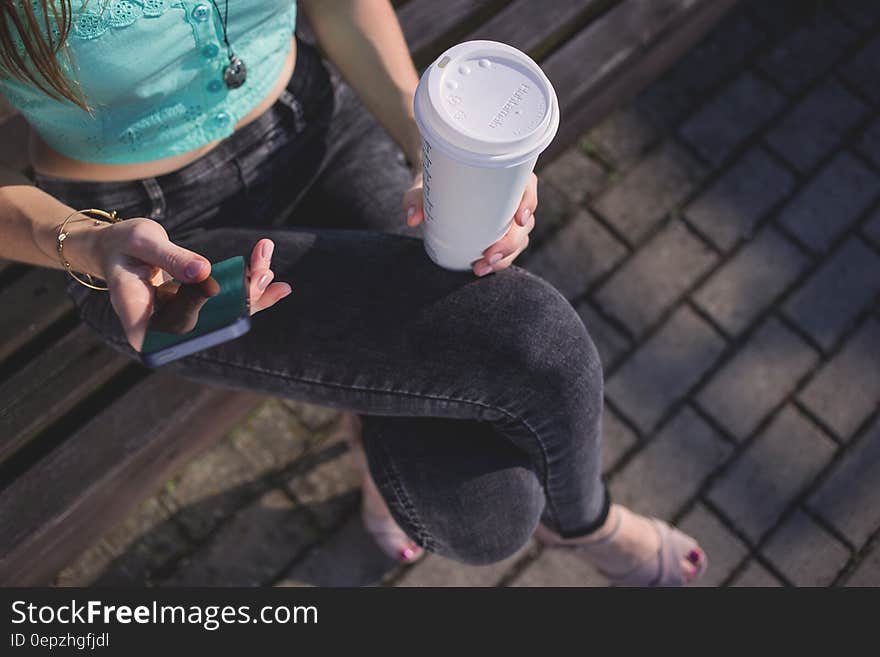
{"points": [[226, 308]]}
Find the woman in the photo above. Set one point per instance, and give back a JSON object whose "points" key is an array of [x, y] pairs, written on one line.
{"points": [[206, 125]]}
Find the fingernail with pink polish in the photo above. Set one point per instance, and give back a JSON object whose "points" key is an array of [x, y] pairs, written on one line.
{"points": [[263, 282], [410, 211], [482, 270], [495, 257], [268, 247], [193, 269]]}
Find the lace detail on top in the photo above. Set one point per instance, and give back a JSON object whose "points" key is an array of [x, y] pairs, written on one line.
{"points": [[91, 21], [90, 24]]}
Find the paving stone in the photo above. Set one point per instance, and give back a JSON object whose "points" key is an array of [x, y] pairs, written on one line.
{"points": [[755, 575], [617, 438], [554, 209], [313, 416], [817, 125], [648, 191], [863, 14], [736, 202], [270, 437], [847, 389], [863, 70], [577, 255], [559, 568], [435, 570], [576, 175], [868, 571], [142, 544], [664, 368], [731, 117], [832, 201], [850, 498], [670, 470], [211, 487], [757, 378], [655, 277], [609, 341], [724, 550], [252, 549], [869, 145], [766, 477], [329, 490], [349, 557], [872, 228], [828, 302], [807, 53], [751, 280], [624, 135], [700, 70], [805, 553]]}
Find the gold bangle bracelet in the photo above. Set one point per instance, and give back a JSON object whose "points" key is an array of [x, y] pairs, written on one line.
{"points": [[109, 217]]}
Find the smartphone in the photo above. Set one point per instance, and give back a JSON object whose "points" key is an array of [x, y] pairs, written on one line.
{"points": [[194, 316]]}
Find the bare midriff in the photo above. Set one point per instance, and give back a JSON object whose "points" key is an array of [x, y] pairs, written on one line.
{"points": [[50, 162]]}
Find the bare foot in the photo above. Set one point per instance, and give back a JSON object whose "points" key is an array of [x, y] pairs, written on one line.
{"points": [[376, 515]]}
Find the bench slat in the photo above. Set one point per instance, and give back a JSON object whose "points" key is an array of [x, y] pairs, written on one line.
{"points": [[87, 484], [52, 384], [29, 305], [528, 25], [614, 57], [426, 22]]}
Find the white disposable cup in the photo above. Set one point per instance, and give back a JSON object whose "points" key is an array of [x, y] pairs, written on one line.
{"points": [[485, 111]]}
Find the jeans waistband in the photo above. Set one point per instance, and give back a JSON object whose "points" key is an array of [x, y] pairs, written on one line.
{"points": [[308, 83]]}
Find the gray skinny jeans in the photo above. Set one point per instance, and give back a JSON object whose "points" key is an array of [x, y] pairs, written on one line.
{"points": [[481, 397]]}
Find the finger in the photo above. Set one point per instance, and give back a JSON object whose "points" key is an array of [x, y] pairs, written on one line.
{"points": [[273, 294], [132, 299], [259, 285], [504, 262], [511, 242], [261, 257], [153, 247], [412, 206], [528, 203]]}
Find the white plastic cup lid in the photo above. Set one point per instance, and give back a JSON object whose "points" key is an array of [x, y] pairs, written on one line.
{"points": [[487, 103]]}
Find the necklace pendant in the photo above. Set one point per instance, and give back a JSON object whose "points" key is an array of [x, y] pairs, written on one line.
{"points": [[235, 74]]}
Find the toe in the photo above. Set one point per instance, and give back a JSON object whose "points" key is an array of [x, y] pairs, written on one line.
{"points": [[693, 563], [410, 553]]}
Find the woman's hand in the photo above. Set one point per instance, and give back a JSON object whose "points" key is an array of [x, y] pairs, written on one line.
{"points": [[135, 256], [501, 254]]}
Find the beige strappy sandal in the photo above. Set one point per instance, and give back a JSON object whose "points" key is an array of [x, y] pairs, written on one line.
{"points": [[663, 569]]}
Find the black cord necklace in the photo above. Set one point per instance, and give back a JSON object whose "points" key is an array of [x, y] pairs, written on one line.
{"points": [[236, 73]]}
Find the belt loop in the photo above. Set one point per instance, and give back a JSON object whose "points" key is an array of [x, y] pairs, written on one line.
{"points": [[154, 192]]}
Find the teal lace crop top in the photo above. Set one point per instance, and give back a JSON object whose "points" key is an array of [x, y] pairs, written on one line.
{"points": [[152, 70]]}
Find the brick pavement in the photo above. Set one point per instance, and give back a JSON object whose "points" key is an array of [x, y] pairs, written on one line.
{"points": [[720, 237]]}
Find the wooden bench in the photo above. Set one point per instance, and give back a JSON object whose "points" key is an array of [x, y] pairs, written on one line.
{"points": [[86, 434]]}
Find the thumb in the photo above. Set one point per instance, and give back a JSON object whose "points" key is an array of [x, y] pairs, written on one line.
{"points": [[132, 299], [412, 206], [183, 264]]}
